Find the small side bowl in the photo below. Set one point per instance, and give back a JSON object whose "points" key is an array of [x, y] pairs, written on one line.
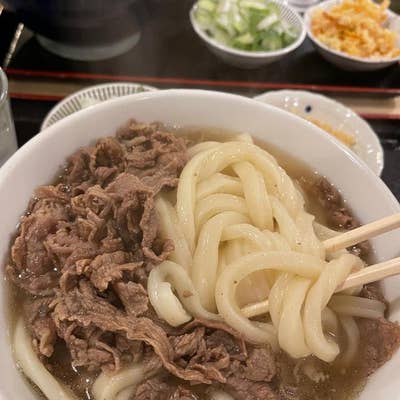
{"points": [[253, 59], [346, 61], [307, 104], [97, 93]]}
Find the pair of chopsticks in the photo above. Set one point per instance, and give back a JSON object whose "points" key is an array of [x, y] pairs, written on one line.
{"points": [[373, 273]]}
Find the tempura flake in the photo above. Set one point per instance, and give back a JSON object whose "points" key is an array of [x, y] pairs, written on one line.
{"points": [[357, 28]]}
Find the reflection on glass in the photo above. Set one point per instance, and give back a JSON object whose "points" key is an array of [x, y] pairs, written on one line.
{"points": [[8, 140]]}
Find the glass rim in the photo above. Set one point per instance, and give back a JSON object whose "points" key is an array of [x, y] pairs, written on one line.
{"points": [[3, 86]]}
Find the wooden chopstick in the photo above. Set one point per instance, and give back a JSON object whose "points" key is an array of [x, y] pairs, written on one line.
{"points": [[369, 274], [362, 233], [254, 309], [372, 273]]}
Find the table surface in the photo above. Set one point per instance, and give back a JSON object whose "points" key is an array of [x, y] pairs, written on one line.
{"points": [[169, 55]]}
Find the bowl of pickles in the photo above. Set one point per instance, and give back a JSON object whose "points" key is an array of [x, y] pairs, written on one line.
{"points": [[248, 33]]}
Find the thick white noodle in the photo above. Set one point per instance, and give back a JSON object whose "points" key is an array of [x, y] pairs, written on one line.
{"points": [[168, 306], [244, 137], [330, 322], [352, 334], [357, 306], [220, 395], [201, 147], [255, 193], [205, 164], [301, 264], [205, 260], [33, 368], [317, 299], [245, 245], [219, 183], [170, 229], [217, 204], [277, 296], [119, 385], [291, 319]]}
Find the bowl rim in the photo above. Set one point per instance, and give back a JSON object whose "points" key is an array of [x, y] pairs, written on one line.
{"points": [[263, 97], [35, 142], [252, 54], [325, 4]]}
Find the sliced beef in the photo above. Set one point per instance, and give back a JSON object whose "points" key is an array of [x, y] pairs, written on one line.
{"points": [[159, 388], [41, 325], [187, 344], [288, 392], [221, 334], [88, 348], [331, 200], [107, 268], [43, 285], [32, 265], [29, 252], [260, 365], [135, 215], [133, 296], [245, 389], [380, 338], [107, 159], [155, 156], [77, 171], [182, 393], [373, 291], [153, 389], [87, 245], [81, 308], [67, 246], [210, 362]]}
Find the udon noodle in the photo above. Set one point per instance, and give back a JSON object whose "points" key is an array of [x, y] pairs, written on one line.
{"points": [[244, 241]]}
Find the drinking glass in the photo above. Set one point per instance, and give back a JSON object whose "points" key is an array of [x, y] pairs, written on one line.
{"points": [[8, 139]]}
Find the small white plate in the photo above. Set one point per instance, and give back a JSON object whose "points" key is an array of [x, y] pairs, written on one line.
{"points": [[340, 117], [90, 96]]}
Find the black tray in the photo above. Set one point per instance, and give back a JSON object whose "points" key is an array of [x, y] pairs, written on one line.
{"points": [[169, 54]]}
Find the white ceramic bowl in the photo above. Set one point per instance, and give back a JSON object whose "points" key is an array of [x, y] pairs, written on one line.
{"points": [[91, 95], [37, 161], [253, 59], [343, 60], [307, 104]]}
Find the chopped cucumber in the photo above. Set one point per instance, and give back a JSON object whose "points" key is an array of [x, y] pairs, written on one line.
{"points": [[253, 25], [245, 39], [267, 22], [253, 5], [272, 41], [207, 5]]}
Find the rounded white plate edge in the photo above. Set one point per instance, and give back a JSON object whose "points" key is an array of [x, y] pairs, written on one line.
{"points": [[366, 137]]}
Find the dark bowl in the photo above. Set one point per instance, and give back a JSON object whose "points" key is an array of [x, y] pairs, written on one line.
{"points": [[84, 24]]}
